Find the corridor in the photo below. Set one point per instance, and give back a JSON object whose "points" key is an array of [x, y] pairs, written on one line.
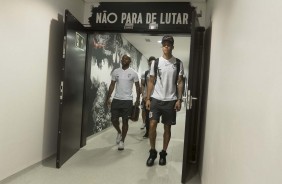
{"points": [[99, 162]]}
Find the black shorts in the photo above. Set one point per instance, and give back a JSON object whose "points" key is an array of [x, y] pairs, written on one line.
{"points": [[164, 109], [121, 108]]}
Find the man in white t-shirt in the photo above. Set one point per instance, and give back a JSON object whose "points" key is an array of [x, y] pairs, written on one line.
{"points": [[164, 97], [144, 82], [123, 79]]}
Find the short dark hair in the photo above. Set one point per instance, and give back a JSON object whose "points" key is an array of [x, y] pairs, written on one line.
{"points": [[151, 58], [168, 38]]}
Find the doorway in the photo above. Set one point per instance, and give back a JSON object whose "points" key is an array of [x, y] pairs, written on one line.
{"points": [[83, 114]]}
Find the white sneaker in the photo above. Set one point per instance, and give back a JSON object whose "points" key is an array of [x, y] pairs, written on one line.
{"points": [[121, 145], [118, 138]]}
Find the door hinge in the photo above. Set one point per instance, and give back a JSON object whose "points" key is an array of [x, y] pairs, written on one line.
{"points": [[64, 47], [61, 91]]}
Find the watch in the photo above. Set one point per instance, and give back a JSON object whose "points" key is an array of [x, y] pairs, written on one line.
{"points": [[180, 99]]}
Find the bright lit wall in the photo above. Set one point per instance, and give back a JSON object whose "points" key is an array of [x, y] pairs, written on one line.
{"points": [[29, 79], [243, 141]]}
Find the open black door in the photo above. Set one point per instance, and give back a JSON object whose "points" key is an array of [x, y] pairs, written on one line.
{"points": [[72, 90], [193, 106]]}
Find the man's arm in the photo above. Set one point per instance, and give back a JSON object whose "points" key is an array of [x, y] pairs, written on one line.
{"points": [[179, 90], [111, 89], [137, 86], [150, 87], [142, 88]]}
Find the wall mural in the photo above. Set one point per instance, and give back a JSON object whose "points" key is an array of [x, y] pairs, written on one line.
{"points": [[104, 55]]}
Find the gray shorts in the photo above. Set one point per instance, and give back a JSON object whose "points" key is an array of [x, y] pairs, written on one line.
{"points": [[164, 109], [121, 108]]}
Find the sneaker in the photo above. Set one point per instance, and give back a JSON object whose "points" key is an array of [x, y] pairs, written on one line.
{"points": [[152, 157], [146, 135], [162, 160], [121, 145], [118, 139]]}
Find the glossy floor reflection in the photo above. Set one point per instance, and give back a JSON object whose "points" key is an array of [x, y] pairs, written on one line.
{"points": [[99, 162]]}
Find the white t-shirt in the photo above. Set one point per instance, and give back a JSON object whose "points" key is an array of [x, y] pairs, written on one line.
{"points": [[165, 87], [146, 82], [124, 83]]}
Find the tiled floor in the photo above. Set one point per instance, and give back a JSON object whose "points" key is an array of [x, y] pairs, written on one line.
{"points": [[99, 162]]}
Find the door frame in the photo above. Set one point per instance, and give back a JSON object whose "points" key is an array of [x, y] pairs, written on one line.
{"points": [[194, 106], [70, 132], [83, 122]]}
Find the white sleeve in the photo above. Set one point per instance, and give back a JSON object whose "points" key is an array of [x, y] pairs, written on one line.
{"points": [[136, 78], [152, 71]]}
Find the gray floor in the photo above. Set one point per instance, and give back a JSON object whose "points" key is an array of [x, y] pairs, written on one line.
{"points": [[99, 162]]}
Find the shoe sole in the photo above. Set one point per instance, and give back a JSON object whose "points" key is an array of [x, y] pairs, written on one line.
{"points": [[120, 149], [150, 165], [153, 161]]}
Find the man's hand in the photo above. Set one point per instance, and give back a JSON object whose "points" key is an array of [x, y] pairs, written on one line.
{"points": [[177, 106]]}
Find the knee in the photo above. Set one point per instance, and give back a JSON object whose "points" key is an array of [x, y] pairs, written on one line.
{"points": [[125, 122], [167, 130], [153, 126], [115, 121]]}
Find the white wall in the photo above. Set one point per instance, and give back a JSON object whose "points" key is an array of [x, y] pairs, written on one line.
{"points": [[29, 80], [243, 142]]}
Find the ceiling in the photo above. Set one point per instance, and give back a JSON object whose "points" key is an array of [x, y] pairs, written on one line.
{"points": [[150, 45]]}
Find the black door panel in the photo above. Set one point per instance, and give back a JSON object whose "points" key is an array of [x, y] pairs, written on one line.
{"points": [[71, 104]]}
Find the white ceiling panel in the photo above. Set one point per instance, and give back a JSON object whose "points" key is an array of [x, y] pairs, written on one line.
{"points": [[149, 45]]}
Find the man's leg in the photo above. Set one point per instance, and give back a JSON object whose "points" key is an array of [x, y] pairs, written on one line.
{"points": [[152, 136], [147, 123], [166, 136], [115, 123], [166, 139], [153, 133], [143, 118], [126, 113], [124, 129], [115, 118], [143, 114], [123, 133], [169, 118]]}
